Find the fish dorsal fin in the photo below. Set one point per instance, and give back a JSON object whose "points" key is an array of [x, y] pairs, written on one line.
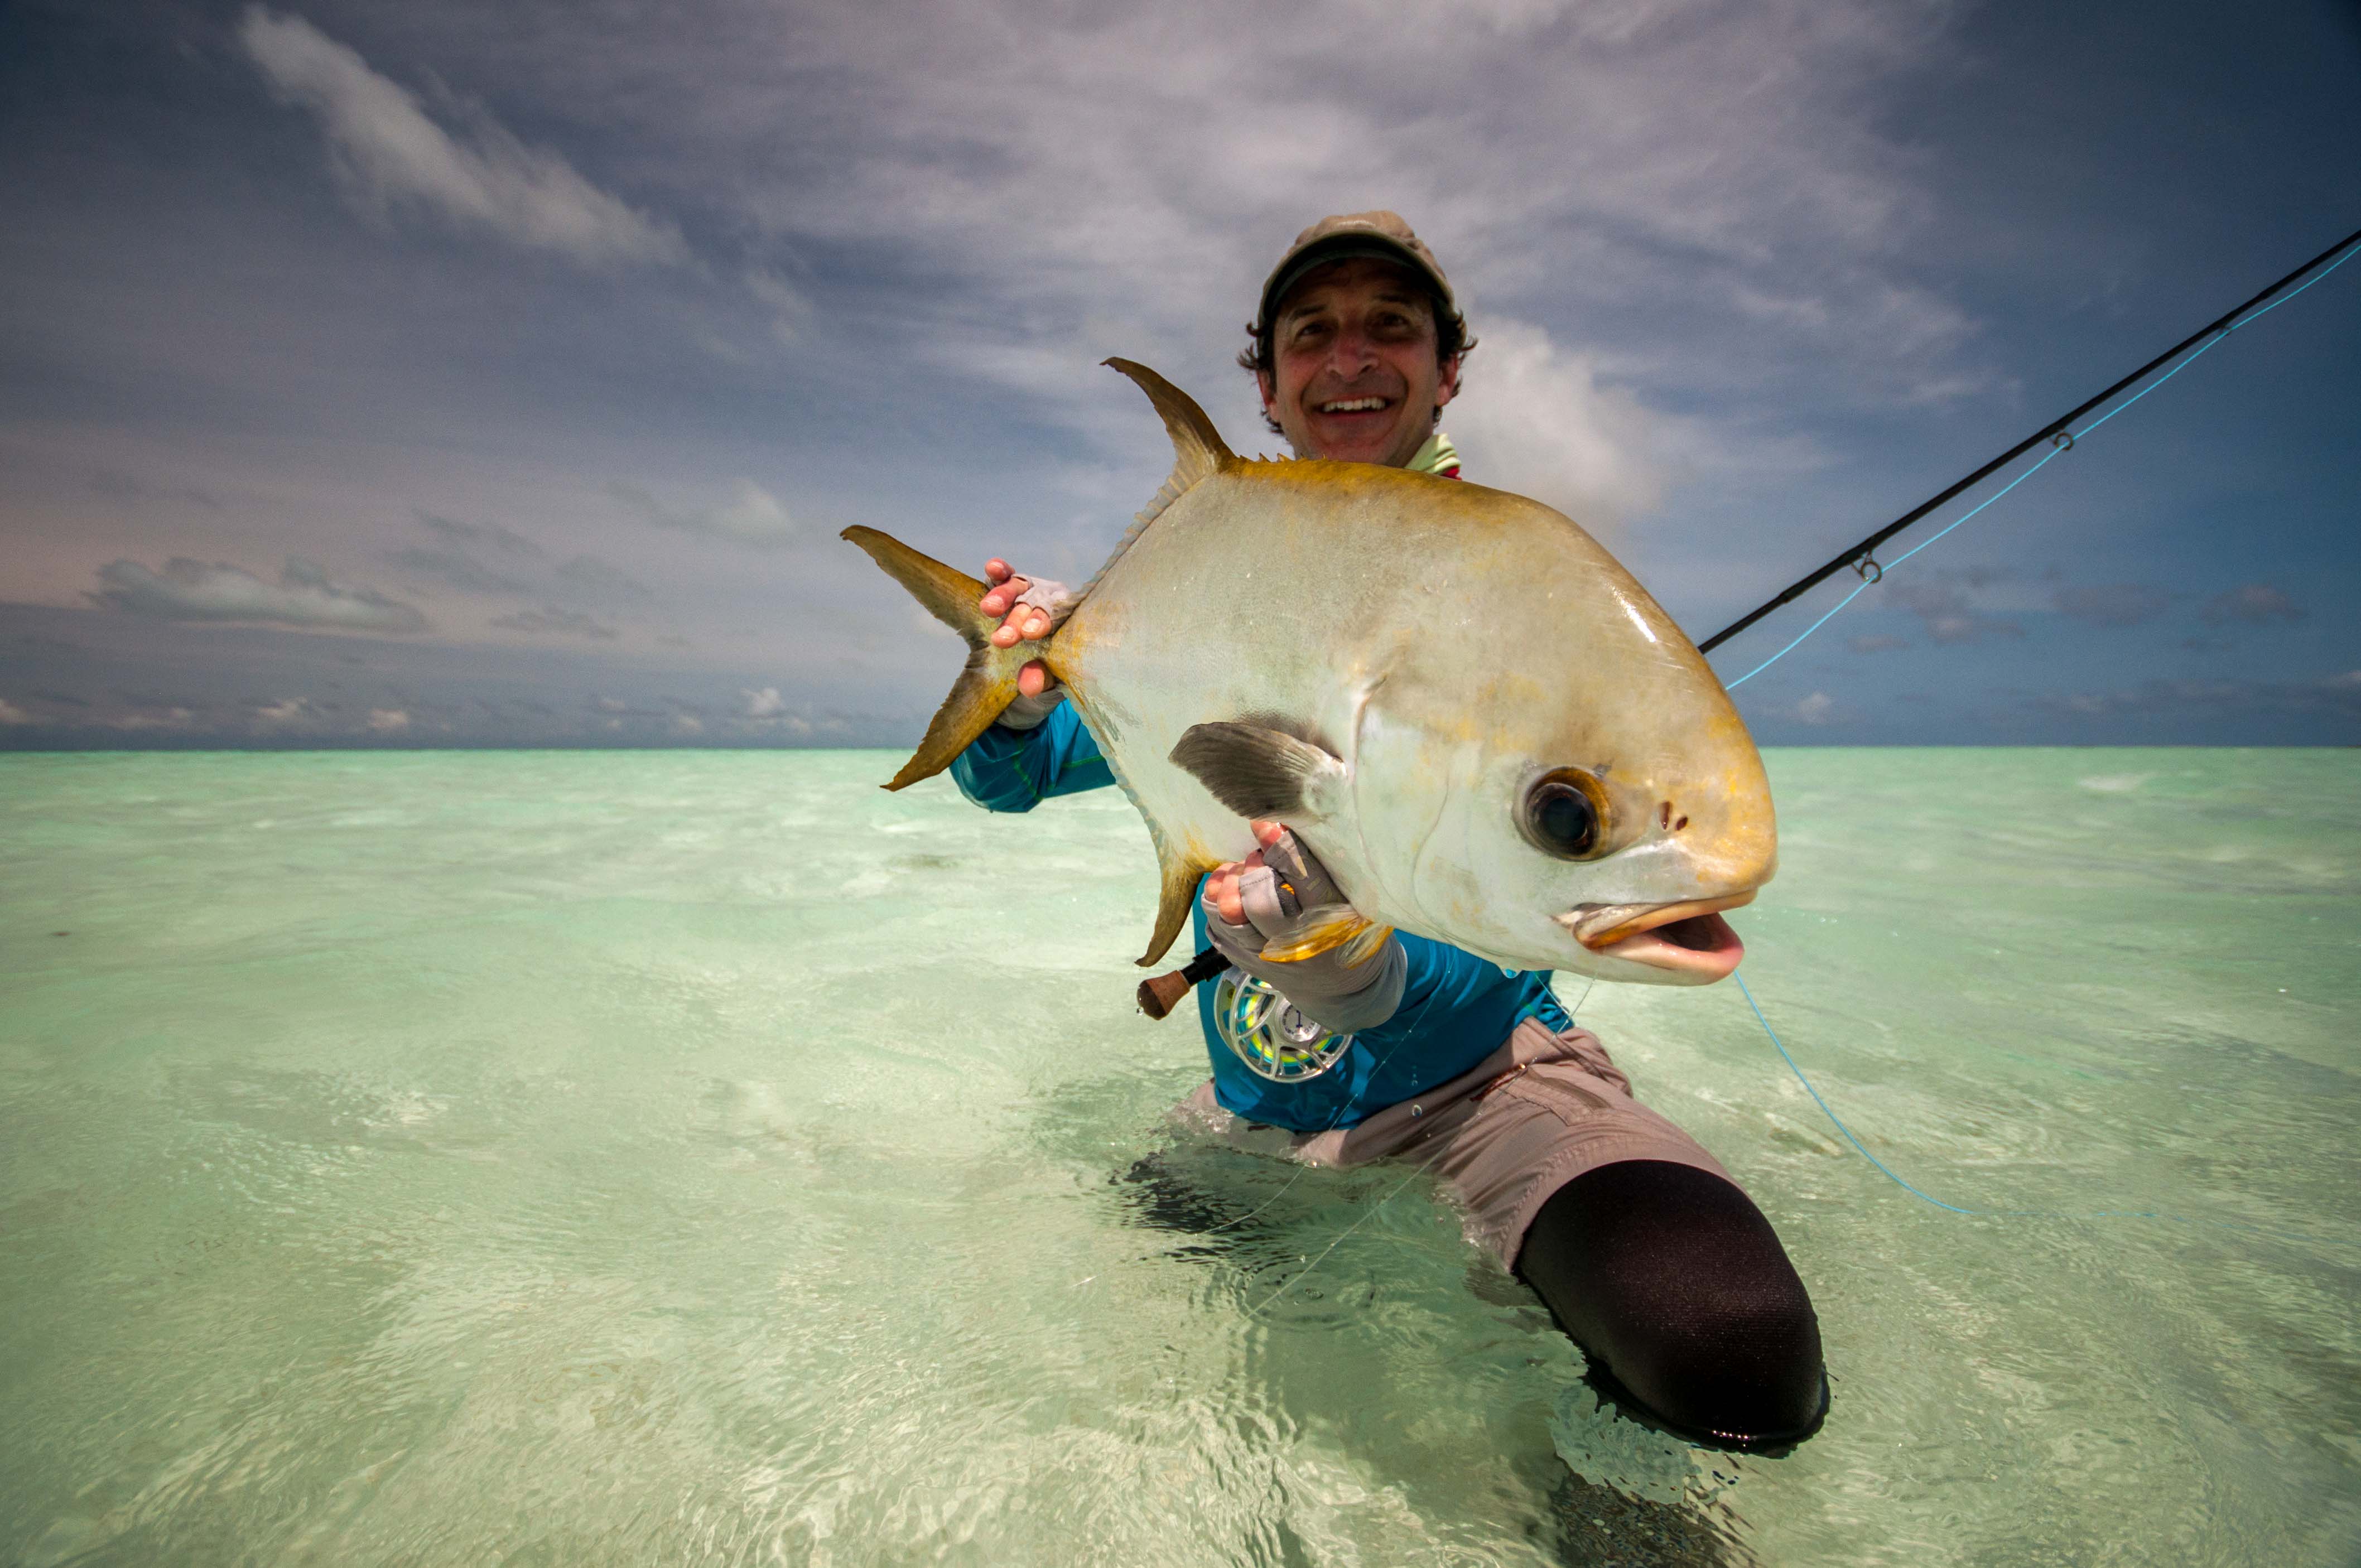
{"points": [[1198, 452]]}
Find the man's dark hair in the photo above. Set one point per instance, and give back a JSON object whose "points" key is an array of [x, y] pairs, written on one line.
{"points": [[1451, 340]]}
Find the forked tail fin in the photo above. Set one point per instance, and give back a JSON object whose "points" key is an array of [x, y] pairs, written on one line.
{"points": [[989, 682]]}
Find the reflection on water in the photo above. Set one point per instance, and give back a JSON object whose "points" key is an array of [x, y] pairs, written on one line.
{"points": [[709, 1157]]}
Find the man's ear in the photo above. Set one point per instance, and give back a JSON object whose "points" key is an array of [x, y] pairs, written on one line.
{"points": [[1446, 381], [1269, 394]]}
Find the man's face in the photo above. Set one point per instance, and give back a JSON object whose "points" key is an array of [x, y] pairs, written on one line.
{"points": [[1354, 374]]}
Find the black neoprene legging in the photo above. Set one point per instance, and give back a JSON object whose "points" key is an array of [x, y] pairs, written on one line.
{"points": [[1673, 1284]]}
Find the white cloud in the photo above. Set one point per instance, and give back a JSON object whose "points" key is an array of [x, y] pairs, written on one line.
{"points": [[767, 709], [195, 590], [287, 710], [2257, 604], [1818, 707], [749, 515], [11, 714], [1547, 429], [171, 719], [389, 152], [787, 305], [388, 721]]}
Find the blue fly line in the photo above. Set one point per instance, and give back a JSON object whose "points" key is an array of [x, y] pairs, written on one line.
{"points": [[1887, 1171], [2063, 442]]}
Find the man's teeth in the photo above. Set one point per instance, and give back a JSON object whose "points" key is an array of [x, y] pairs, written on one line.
{"points": [[1354, 406]]}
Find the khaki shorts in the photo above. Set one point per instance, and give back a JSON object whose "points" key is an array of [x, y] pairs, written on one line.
{"points": [[1503, 1138]]}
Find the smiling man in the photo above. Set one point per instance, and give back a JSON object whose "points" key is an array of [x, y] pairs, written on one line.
{"points": [[1356, 353], [1649, 1256]]}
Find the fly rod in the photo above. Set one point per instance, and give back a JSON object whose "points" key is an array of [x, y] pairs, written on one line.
{"points": [[1861, 555]]}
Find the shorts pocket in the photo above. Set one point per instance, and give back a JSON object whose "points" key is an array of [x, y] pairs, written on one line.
{"points": [[1566, 1093]]}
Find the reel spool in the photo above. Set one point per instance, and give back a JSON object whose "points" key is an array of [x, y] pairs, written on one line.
{"points": [[1267, 1033]]}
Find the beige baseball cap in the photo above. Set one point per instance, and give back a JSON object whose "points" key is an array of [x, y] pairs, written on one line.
{"points": [[1380, 234]]}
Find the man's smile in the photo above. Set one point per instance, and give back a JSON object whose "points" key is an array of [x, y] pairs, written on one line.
{"points": [[1352, 405]]}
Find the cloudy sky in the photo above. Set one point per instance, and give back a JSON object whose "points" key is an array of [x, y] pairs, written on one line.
{"points": [[459, 374]]}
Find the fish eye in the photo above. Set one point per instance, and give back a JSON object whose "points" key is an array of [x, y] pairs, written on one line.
{"points": [[1566, 814]]}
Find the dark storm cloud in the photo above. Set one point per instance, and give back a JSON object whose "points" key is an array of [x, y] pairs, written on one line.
{"points": [[752, 515], [2112, 604], [2255, 603], [2337, 697], [592, 580], [118, 486], [304, 596], [561, 622], [457, 560], [455, 568], [465, 535], [1944, 607]]}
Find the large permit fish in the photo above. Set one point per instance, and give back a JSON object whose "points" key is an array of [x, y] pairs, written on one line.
{"points": [[1483, 726]]}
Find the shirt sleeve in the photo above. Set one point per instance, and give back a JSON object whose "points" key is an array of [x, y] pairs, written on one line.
{"points": [[1455, 1003], [1016, 770]]}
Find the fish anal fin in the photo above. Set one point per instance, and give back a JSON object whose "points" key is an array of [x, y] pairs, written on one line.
{"points": [[1260, 772], [985, 686], [1182, 874]]}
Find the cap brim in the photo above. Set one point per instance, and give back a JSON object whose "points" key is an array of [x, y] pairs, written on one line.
{"points": [[1346, 247]]}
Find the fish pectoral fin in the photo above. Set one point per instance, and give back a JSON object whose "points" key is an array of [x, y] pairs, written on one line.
{"points": [[1263, 774], [1330, 926], [985, 686]]}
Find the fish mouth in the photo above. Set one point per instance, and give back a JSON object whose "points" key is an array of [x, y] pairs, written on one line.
{"points": [[1690, 938]]}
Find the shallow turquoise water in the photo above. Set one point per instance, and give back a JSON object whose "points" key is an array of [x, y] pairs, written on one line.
{"points": [[688, 1157]]}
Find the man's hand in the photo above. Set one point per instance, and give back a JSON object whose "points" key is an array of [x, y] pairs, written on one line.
{"points": [[1024, 623], [1222, 883], [1251, 902]]}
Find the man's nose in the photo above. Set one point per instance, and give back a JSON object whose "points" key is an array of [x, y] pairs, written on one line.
{"points": [[1351, 352]]}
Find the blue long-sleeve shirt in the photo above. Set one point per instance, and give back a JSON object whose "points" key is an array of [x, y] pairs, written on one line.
{"points": [[1456, 1008]]}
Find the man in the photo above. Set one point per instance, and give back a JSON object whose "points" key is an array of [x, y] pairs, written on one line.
{"points": [[1663, 1271]]}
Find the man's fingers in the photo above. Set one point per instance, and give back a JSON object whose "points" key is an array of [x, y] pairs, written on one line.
{"points": [[1004, 596], [1268, 833], [997, 570], [1025, 621], [1227, 903], [1034, 679], [1221, 887]]}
